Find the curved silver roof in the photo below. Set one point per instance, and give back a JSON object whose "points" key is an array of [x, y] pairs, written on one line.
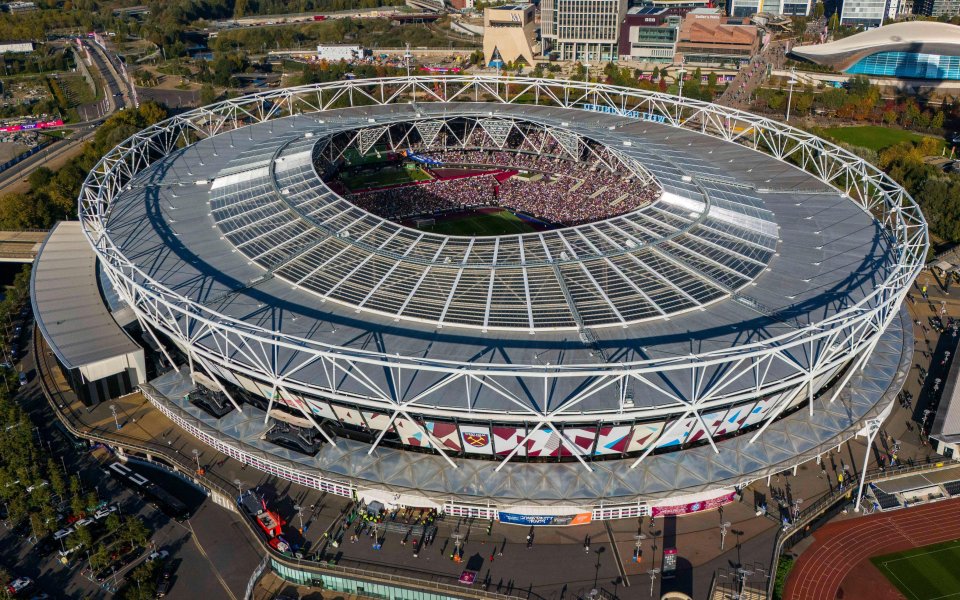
{"points": [[927, 37]]}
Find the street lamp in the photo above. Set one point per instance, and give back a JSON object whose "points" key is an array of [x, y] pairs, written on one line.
{"points": [[636, 552], [792, 82], [196, 456], [239, 485], [113, 410], [653, 577], [680, 72], [586, 66], [299, 510], [723, 532]]}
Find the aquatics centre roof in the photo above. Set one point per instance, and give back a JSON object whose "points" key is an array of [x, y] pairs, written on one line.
{"points": [[926, 37], [828, 253]]}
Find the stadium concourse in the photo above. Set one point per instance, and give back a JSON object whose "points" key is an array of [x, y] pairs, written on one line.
{"points": [[695, 313]]}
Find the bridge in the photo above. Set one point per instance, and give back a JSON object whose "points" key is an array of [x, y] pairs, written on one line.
{"points": [[20, 246]]}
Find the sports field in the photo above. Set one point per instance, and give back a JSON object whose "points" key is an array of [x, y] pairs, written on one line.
{"points": [[870, 136], [494, 223], [385, 177], [927, 573]]}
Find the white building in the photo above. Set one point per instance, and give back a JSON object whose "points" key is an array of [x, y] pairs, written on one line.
{"points": [[16, 47], [338, 52], [582, 30], [863, 13]]}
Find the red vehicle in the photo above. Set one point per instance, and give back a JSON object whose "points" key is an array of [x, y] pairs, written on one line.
{"points": [[319, 17], [271, 523]]}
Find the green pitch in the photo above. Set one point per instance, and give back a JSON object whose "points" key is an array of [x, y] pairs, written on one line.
{"points": [[499, 223], [385, 177], [924, 573]]}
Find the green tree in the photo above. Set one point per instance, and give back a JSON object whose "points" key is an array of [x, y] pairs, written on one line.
{"points": [[134, 531], [112, 522]]}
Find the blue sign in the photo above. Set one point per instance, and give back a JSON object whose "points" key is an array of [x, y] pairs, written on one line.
{"points": [[516, 519], [634, 114]]}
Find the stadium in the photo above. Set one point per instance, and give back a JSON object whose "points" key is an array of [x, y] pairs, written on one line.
{"points": [[533, 300]]}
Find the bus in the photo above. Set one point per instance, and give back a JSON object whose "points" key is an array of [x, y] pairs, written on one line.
{"points": [[169, 504]]}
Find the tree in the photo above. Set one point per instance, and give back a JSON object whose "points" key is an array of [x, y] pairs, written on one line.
{"points": [[134, 531], [100, 558], [81, 536], [834, 23], [112, 522], [57, 483], [818, 10]]}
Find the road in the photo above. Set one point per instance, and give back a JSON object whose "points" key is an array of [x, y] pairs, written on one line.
{"points": [[14, 179]]}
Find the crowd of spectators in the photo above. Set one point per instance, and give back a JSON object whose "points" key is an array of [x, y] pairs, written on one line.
{"points": [[553, 189]]}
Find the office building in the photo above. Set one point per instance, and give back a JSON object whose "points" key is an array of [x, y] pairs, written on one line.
{"points": [[706, 37], [649, 34], [748, 8], [937, 8], [863, 13], [582, 30]]}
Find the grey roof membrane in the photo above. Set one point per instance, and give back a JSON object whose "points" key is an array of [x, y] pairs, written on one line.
{"points": [[67, 303], [793, 439], [829, 254]]}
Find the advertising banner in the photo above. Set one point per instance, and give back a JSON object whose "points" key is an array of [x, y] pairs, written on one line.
{"points": [[692, 507], [518, 519]]}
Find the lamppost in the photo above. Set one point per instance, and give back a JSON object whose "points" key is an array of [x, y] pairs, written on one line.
{"points": [[723, 532], [680, 73], [196, 457], [653, 577], [113, 410], [586, 66], [239, 485], [791, 82], [299, 510]]}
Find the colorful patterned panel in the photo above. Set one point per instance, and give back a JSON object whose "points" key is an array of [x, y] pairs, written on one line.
{"points": [[713, 420], [477, 439], [544, 442], [322, 408], [581, 437], [679, 434], [505, 439], [761, 410], [377, 421], [446, 434], [643, 435], [350, 416], [410, 434], [613, 440]]}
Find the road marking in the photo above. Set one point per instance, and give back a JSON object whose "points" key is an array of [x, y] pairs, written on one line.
{"points": [[215, 570]]}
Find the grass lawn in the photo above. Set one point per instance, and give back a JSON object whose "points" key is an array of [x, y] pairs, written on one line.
{"points": [[870, 136], [924, 573], [385, 177], [499, 223]]}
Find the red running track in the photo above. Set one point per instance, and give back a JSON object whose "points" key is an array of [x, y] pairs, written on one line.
{"points": [[841, 546]]}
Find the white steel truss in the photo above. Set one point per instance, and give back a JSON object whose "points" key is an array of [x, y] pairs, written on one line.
{"points": [[809, 353]]}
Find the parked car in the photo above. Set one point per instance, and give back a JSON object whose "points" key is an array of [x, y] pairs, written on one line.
{"points": [[160, 555], [18, 585], [22, 377], [163, 588], [103, 512], [59, 535]]}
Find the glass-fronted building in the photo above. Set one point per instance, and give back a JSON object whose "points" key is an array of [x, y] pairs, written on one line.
{"points": [[908, 65], [581, 30]]}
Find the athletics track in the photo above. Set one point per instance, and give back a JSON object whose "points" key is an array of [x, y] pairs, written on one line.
{"points": [[836, 565]]}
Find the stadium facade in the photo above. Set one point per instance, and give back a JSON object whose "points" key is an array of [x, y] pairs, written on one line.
{"points": [[746, 321], [908, 50]]}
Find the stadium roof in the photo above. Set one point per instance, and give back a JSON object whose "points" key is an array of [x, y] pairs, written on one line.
{"points": [[926, 37], [828, 254], [70, 310]]}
